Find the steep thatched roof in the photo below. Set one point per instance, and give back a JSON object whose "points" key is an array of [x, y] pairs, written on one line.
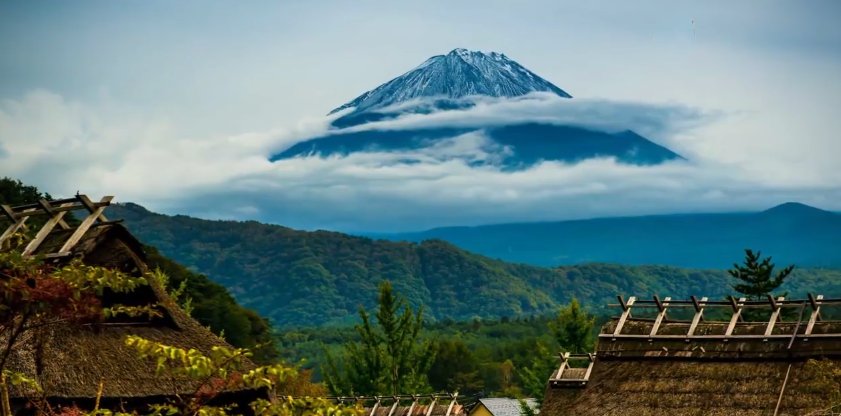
{"points": [[702, 376], [69, 362]]}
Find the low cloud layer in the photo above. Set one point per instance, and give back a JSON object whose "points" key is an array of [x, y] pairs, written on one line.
{"points": [[100, 148]]}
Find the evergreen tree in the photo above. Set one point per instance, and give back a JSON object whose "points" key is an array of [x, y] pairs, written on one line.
{"points": [[757, 276], [455, 368], [391, 356], [573, 328]]}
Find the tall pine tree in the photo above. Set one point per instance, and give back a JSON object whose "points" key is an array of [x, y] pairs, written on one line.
{"points": [[757, 276], [391, 357]]}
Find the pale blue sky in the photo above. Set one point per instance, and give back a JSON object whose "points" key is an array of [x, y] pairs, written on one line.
{"points": [[182, 75]]}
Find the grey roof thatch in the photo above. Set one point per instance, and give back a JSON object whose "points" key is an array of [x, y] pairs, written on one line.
{"points": [[681, 377], [69, 362]]}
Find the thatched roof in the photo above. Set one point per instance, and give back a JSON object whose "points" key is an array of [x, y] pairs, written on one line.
{"points": [[69, 362], [702, 376]]}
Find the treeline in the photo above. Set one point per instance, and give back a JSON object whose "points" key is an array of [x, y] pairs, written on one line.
{"points": [[298, 278], [511, 357], [212, 304]]}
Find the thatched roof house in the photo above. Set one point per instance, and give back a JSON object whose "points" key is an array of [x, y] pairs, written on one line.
{"points": [[657, 366], [69, 362]]}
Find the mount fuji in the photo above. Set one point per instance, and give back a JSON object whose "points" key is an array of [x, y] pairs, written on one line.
{"points": [[430, 114]]}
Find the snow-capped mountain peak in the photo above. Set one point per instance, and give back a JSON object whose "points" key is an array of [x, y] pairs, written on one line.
{"points": [[458, 74]]}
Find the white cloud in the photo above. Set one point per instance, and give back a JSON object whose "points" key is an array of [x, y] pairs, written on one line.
{"points": [[63, 146]]}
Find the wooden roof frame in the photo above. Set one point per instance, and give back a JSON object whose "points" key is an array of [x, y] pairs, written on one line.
{"points": [[813, 302], [55, 211], [378, 401]]}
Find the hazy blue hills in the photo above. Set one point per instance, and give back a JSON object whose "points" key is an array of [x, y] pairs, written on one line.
{"points": [[454, 83], [313, 278], [791, 233]]}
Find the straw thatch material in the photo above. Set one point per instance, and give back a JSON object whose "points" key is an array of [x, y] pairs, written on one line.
{"points": [[709, 377], [69, 362]]}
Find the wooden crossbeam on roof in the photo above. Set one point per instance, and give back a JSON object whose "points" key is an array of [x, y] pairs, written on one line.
{"points": [[579, 379], [735, 328], [55, 212]]}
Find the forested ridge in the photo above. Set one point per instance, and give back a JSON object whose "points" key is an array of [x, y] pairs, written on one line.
{"points": [[299, 278]]}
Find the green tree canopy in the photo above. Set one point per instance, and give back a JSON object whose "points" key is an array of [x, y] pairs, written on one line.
{"points": [[391, 357], [573, 328], [757, 275]]}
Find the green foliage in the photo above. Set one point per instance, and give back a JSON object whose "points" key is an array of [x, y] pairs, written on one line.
{"points": [[390, 358], [757, 275], [225, 369], [573, 328], [299, 278], [213, 306], [455, 368], [533, 377], [487, 357], [526, 410]]}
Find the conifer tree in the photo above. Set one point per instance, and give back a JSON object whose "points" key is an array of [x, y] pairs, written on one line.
{"points": [[573, 328], [391, 356], [757, 275]]}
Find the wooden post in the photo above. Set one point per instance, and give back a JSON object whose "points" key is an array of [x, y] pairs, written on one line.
{"points": [[412, 406], [625, 314], [816, 313], [55, 219], [454, 397], [737, 312], [375, 406], [699, 312], [18, 222], [564, 362], [48, 208], [431, 405], [394, 406], [86, 224], [774, 315], [91, 207], [589, 367], [660, 315]]}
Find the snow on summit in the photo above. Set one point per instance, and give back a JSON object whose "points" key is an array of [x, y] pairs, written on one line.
{"points": [[460, 73]]}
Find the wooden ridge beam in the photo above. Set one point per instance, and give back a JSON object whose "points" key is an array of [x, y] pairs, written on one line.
{"points": [[47, 228], [663, 307], [96, 214]]}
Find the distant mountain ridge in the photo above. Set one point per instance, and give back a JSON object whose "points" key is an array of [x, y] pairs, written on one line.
{"points": [[313, 278], [453, 84], [791, 232]]}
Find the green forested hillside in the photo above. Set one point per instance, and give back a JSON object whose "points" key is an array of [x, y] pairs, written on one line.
{"points": [[313, 278]]}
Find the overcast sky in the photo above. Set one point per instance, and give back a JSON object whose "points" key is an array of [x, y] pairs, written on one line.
{"points": [[175, 104]]}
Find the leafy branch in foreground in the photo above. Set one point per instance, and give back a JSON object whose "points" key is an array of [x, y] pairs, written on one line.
{"points": [[224, 369], [34, 295]]}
